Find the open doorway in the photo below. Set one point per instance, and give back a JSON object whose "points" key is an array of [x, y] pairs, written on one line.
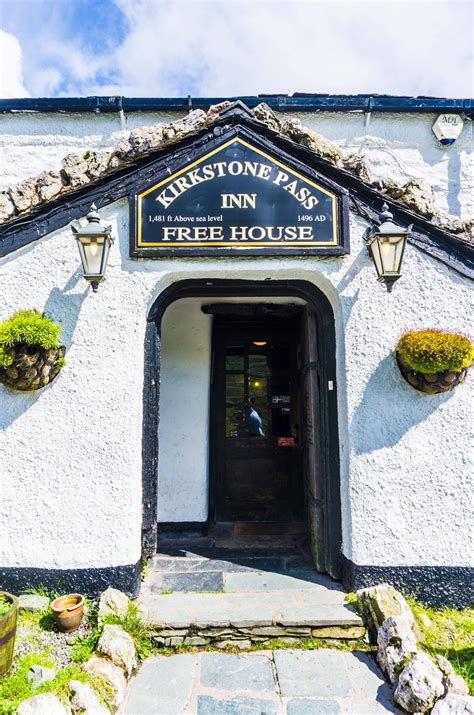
{"points": [[256, 462]]}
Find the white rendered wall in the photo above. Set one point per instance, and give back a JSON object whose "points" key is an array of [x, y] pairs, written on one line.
{"points": [[399, 146], [184, 412], [71, 453]]}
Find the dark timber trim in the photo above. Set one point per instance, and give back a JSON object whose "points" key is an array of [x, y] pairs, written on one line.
{"points": [[91, 581], [328, 436], [363, 198], [297, 102], [433, 585]]}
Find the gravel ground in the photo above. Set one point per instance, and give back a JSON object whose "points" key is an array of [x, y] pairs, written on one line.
{"points": [[32, 637]]}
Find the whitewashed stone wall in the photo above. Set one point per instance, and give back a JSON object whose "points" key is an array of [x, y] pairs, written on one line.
{"points": [[71, 454], [398, 146]]}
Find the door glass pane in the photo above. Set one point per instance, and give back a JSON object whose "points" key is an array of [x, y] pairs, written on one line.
{"points": [[234, 422], [258, 394], [234, 358], [234, 390]]}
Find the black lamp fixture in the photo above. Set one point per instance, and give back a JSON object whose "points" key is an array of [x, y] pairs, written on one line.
{"points": [[386, 246], [94, 241]]}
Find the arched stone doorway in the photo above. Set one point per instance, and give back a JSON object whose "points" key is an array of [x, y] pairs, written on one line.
{"points": [[319, 396]]}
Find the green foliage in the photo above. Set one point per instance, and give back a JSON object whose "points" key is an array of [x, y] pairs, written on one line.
{"points": [[144, 570], [15, 687], [5, 605], [29, 327], [42, 590], [430, 351], [60, 362], [83, 647], [132, 623], [448, 632]]}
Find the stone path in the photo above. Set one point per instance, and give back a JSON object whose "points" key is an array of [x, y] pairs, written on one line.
{"points": [[282, 682]]}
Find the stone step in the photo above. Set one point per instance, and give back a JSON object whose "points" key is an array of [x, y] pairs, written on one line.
{"points": [[252, 617]]}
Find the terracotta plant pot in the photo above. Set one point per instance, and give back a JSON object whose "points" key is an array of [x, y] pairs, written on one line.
{"points": [[431, 383], [68, 611], [32, 367], [8, 633]]}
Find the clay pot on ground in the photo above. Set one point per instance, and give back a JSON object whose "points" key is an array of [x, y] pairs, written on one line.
{"points": [[68, 611], [33, 367], [431, 383], [8, 633]]}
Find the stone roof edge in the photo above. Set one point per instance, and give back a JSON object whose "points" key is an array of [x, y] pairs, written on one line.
{"points": [[23, 205]]}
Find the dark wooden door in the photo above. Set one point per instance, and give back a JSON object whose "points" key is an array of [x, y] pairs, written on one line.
{"points": [[256, 455]]}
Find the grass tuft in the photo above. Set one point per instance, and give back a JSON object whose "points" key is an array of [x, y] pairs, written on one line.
{"points": [[448, 632]]}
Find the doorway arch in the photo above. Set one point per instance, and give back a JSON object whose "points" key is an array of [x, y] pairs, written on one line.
{"points": [[320, 394]]}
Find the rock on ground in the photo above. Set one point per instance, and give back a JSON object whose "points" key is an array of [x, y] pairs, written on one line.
{"points": [[396, 645], [85, 700], [119, 647], [30, 602], [111, 673], [39, 674], [113, 601], [44, 704], [420, 685], [453, 683], [454, 705], [378, 603]]}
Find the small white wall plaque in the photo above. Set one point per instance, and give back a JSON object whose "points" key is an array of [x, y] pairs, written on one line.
{"points": [[447, 128]]}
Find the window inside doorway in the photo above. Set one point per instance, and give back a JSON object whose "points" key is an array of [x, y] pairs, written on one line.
{"points": [[258, 389]]}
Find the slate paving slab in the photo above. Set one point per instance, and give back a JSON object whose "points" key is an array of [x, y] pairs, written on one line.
{"points": [[162, 686], [306, 706], [317, 673], [209, 705], [286, 682], [226, 671]]}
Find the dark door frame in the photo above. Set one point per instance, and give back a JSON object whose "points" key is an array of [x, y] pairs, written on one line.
{"points": [[326, 439]]}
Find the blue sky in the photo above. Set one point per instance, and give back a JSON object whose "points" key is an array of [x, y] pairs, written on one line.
{"points": [[235, 47]]}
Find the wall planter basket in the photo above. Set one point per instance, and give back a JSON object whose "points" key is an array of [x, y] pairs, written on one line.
{"points": [[8, 619], [433, 361], [30, 355], [68, 611]]}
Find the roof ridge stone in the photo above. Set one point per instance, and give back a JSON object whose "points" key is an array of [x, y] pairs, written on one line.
{"points": [[81, 169]]}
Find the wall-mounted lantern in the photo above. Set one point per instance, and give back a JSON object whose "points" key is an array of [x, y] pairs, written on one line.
{"points": [[386, 246], [94, 241]]}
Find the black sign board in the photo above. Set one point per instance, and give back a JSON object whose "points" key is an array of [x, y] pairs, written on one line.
{"points": [[237, 199]]}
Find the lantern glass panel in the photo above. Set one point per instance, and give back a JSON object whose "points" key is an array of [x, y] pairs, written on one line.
{"points": [[391, 251]]}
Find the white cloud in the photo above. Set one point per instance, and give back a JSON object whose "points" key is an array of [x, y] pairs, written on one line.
{"points": [[11, 80], [238, 47], [233, 47]]}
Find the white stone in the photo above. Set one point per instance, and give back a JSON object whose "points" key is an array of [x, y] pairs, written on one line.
{"points": [[85, 700], [454, 684], [454, 705], [396, 645], [113, 601], [111, 673], [32, 602], [44, 704], [382, 601], [119, 647], [39, 674], [420, 684]]}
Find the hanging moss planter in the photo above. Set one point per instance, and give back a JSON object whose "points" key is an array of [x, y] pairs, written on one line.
{"points": [[30, 354], [434, 361]]}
